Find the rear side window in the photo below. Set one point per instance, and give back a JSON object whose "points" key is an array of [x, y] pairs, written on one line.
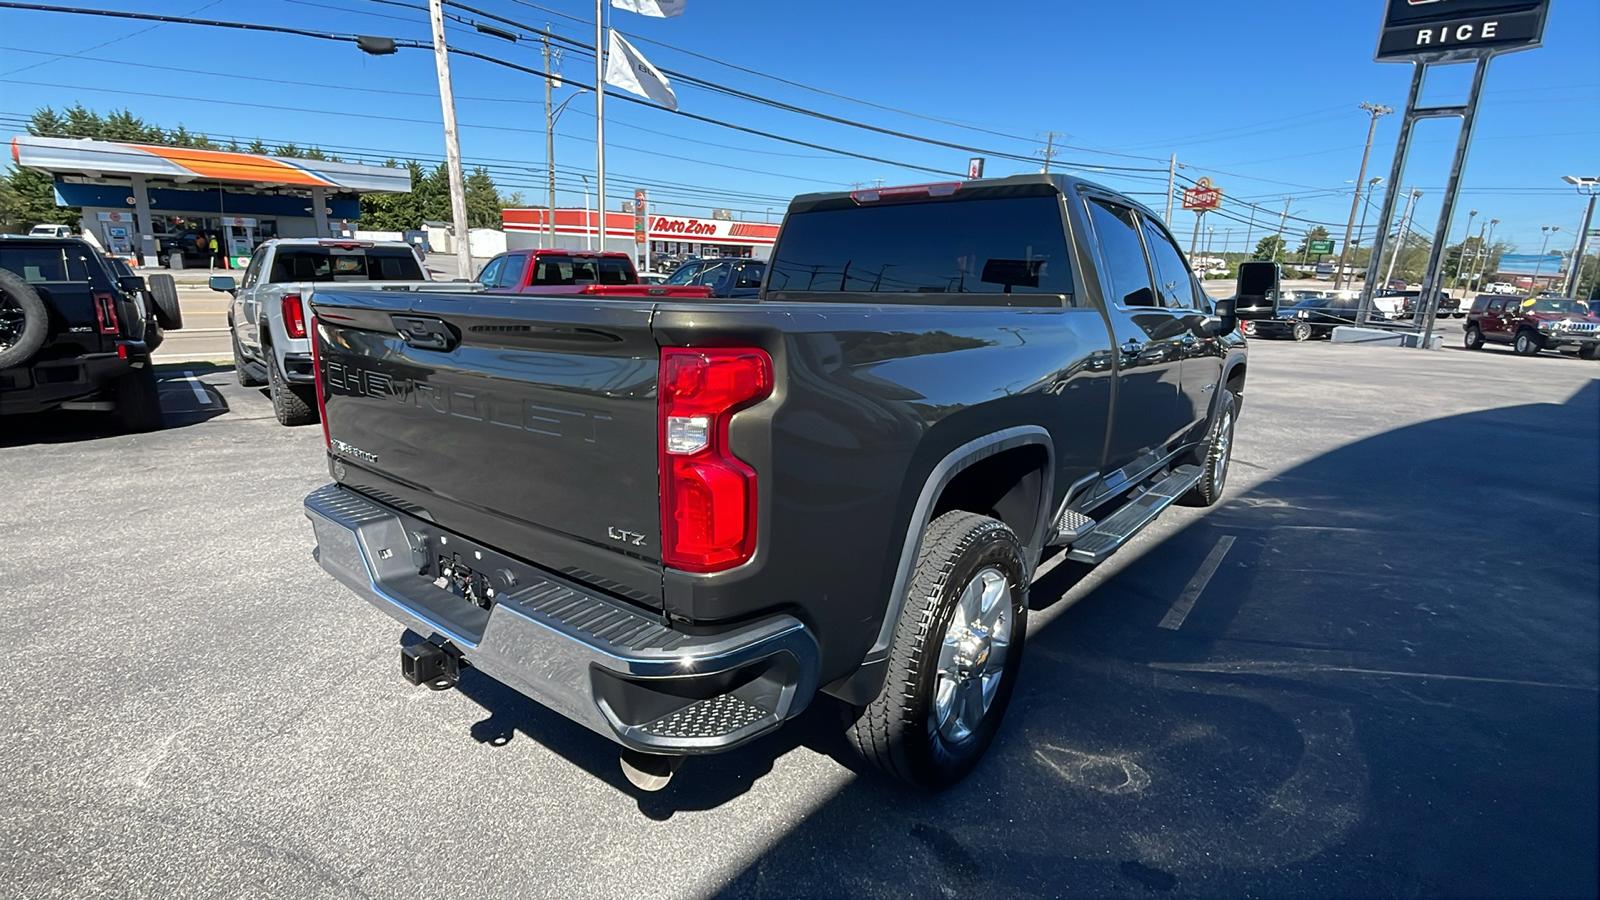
{"points": [[1127, 277], [1009, 251], [684, 274], [750, 276], [564, 270], [327, 264]]}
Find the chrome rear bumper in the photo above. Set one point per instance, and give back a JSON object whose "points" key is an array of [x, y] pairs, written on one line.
{"points": [[615, 668]]}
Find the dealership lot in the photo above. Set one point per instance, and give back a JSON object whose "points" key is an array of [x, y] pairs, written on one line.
{"points": [[1371, 670]]}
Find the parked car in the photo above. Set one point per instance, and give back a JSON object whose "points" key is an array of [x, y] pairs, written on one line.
{"points": [[72, 335], [727, 277], [1500, 287], [268, 316], [1533, 324], [572, 272], [55, 231], [677, 521], [1313, 317], [652, 278]]}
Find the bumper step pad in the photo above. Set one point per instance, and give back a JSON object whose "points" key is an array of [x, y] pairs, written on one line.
{"points": [[711, 718]]}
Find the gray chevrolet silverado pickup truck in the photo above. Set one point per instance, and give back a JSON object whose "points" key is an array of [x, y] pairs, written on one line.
{"points": [[678, 522]]}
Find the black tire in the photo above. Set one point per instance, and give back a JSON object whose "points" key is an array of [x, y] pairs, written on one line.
{"points": [[241, 369], [24, 322], [1589, 351], [138, 401], [1474, 338], [1527, 343], [164, 290], [1214, 455], [289, 402], [900, 730], [1301, 331]]}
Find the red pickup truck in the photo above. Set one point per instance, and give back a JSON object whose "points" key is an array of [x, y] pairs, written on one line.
{"points": [[574, 272]]}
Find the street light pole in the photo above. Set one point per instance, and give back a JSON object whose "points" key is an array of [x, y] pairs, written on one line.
{"points": [[1461, 258], [549, 145], [1483, 251], [1549, 232], [1365, 208], [1405, 232], [1377, 111], [1590, 186], [1282, 220]]}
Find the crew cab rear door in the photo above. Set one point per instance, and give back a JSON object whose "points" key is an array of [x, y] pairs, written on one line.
{"points": [[1148, 337]]}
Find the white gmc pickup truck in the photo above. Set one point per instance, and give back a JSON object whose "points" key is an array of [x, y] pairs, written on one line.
{"points": [[271, 307]]}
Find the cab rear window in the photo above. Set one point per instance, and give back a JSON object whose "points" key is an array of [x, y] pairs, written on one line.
{"points": [[323, 264], [39, 264], [1009, 251]]}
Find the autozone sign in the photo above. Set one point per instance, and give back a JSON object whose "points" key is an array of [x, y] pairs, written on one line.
{"points": [[1203, 196], [1439, 30], [685, 227]]}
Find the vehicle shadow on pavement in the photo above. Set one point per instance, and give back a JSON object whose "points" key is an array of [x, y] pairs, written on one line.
{"points": [[185, 400], [1389, 687]]}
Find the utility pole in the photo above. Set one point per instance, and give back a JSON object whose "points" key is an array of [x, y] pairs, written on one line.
{"points": [[1461, 258], [1282, 221], [1405, 232], [1377, 111], [1483, 251], [1249, 231], [1549, 232], [452, 143], [1049, 149], [1172, 185], [1361, 232], [599, 119], [549, 143], [1588, 186]]}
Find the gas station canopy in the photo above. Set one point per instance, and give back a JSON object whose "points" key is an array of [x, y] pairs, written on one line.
{"points": [[97, 159]]}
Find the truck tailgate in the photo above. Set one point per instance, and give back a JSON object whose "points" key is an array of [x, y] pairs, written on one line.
{"points": [[528, 423]]}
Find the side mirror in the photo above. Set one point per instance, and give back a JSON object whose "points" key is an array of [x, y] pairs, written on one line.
{"points": [[1257, 297], [1226, 318], [224, 283], [133, 284]]}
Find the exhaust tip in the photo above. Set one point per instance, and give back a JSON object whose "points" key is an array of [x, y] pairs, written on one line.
{"points": [[649, 771]]}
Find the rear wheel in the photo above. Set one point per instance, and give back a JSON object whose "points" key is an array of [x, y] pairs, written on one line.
{"points": [[957, 648], [138, 401], [1474, 338], [24, 323], [289, 403], [1527, 343], [1301, 331]]}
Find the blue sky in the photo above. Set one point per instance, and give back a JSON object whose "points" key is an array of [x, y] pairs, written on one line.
{"points": [[1262, 97]]}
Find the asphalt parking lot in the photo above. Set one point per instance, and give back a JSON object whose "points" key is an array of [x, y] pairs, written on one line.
{"points": [[1387, 687]]}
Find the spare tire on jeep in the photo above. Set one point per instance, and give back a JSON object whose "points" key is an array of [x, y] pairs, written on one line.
{"points": [[24, 323], [164, 291]]}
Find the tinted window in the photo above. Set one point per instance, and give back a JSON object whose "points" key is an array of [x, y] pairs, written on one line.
{"points": [[333, 264], [750, 276], [568, 270], [1173, 282], [684, 274], [46, 263], [1127, 278], [253, 271], [990, 251], [511, 276], [712, 274]]}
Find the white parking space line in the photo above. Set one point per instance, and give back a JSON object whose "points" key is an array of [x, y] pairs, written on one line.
{"points": [[199, 390], [1173, 620]]}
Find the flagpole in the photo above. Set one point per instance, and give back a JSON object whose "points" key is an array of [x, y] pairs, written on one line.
{"points": [[600, 116]]}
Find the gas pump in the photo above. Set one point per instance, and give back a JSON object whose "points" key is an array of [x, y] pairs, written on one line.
{"points": [[115, 233], [240, 235]]}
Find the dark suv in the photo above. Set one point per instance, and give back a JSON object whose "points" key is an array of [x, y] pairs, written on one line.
{"points": [[1532, 324], [73, 335]]}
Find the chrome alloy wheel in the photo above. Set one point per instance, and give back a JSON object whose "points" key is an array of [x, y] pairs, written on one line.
{"points": [[1223, 446], [972, 659]]}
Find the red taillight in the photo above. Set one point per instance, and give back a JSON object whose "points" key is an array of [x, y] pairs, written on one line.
{"points": [[105, 312], [940, 189], [708, 496], [294, 316], [316, 371]]}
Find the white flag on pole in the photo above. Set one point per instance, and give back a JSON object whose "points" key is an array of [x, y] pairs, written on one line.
{"points": [[662, 9], [627, 69]]}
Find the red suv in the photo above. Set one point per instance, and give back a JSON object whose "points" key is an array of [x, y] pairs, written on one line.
{"points": [[573, 272], [1532, 324]]}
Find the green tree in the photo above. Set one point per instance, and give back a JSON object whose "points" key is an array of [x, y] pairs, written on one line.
{"points": [[1269, 247], [46, 122], [1316, 234], [82, 122], [257, 147]]}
